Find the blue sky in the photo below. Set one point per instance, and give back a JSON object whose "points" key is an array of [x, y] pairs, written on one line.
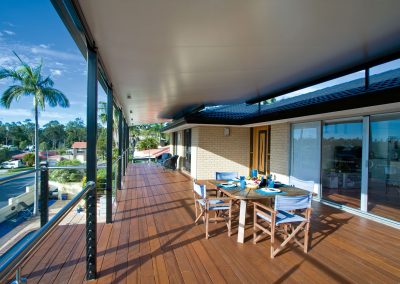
{"points": [[34, 31]]}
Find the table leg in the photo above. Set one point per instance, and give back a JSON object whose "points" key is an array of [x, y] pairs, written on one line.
{"points": [[242, 221]]}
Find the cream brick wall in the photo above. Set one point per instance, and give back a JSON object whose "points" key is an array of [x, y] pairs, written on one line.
{"points": [[216, 152], [280, 148]]}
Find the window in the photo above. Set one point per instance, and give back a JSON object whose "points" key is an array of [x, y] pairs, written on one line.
{"points": [[306, 152]]}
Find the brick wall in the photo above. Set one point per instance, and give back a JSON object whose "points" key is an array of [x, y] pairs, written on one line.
{"points": [[280, 151], [216, 152]]}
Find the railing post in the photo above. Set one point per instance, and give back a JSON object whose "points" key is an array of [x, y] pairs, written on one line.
{"points": [[44, 193], [109, 156], [91, 166], [119, 172], [127, 144], [123, 147]]}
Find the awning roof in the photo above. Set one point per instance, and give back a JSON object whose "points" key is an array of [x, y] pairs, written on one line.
{"points": [[384, 88], [176, 54]]}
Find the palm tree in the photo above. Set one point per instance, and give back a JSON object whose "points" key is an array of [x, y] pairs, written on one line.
{"points": [[29, 81]]}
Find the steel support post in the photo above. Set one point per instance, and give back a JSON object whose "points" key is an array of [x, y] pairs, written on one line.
{"points": [[127, 144], [44, 194], [109, 156], [91, 166], [119, 179], [123, 147]]}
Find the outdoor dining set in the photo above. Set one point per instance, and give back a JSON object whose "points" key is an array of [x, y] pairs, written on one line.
{"points": [[278, 209]]}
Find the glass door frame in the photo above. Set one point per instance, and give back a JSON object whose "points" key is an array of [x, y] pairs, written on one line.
{"points": [[364, 158]]}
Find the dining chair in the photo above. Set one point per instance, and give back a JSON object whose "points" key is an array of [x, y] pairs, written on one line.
{"points": [[205, 204], [226, 175], [288, 211]]}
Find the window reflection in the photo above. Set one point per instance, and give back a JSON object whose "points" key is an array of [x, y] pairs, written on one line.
{"points": [[384, 167], [341, 162]]}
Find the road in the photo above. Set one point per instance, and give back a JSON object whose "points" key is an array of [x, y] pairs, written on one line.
{"points": [[14, 188]]}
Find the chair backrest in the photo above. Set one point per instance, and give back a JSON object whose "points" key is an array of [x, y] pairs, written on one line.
{"points": [[200, 189], [170, 163], [292, 202], [225, 175], [165, 156], [303, 184]]}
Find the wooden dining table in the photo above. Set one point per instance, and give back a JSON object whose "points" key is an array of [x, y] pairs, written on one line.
{"points": [[248, 194]]}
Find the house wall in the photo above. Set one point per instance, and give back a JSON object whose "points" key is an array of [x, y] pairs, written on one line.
{"points": [[216, 152], [280, 151]]}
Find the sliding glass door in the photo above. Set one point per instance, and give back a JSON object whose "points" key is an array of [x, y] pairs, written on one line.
{"points": [[306, 153], [384, 166], [341, 162]]}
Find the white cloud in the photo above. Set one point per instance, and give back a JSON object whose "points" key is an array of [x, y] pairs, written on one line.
{"points": [[55, 72], [55, 53], [9, 24], [9, 32], [15, 112], [44, 45], [1, 34]]}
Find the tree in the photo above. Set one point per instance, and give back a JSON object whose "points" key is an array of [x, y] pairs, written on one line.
{"points": [[29, 81], [102, 142], [75, 131], [54, 133], [147, 143], [43, 146], [23, 144], [29, 159], [63, 175]]}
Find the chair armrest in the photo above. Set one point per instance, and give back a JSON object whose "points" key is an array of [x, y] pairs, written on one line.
{"points": [[266, 208], [219, 198]]}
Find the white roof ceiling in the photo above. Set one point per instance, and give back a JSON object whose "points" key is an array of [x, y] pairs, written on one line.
{"points": [[169, 54]]}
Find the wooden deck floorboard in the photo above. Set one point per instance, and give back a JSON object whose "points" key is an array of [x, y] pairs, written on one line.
{"points": [[153, 240]]}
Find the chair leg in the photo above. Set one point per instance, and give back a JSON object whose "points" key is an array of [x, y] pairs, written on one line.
{"points": [[207, 217], [306, 236], [254, 226], [272, 239], [230, 221]]}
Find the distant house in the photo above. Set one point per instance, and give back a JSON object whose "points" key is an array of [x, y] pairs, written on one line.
{"points": [[79, 151]]}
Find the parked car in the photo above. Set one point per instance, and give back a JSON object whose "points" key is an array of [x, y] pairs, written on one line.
{"points": [[11, 164]]}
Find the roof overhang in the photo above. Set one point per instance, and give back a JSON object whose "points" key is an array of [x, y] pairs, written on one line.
{"points": [[165, 57]]}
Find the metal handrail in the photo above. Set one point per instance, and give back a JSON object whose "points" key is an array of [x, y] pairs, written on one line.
{"points": [[13, 263], [11, 177]]}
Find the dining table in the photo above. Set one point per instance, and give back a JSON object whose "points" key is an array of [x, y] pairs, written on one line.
{"points": [[244, 195]]}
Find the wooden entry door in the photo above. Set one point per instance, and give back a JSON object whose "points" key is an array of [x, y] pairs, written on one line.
{"points": [[260, 151]]}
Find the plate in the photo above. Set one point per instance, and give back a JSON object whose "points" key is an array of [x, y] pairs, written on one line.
{"points": [[270, 189], [228, 184]]}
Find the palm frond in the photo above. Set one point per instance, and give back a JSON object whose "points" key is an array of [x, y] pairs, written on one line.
{"points": [[24, 68], [55, 97], [10, 73], [14, 92]]}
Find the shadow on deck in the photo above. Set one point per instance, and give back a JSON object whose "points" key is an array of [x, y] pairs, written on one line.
{"points": [[153, 239]]}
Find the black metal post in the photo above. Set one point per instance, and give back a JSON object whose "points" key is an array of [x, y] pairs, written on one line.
{"points": [[126, 147], [109, 156], [127, 144], [119, 179], [123, 147], [91, 166], [44, 194]]}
